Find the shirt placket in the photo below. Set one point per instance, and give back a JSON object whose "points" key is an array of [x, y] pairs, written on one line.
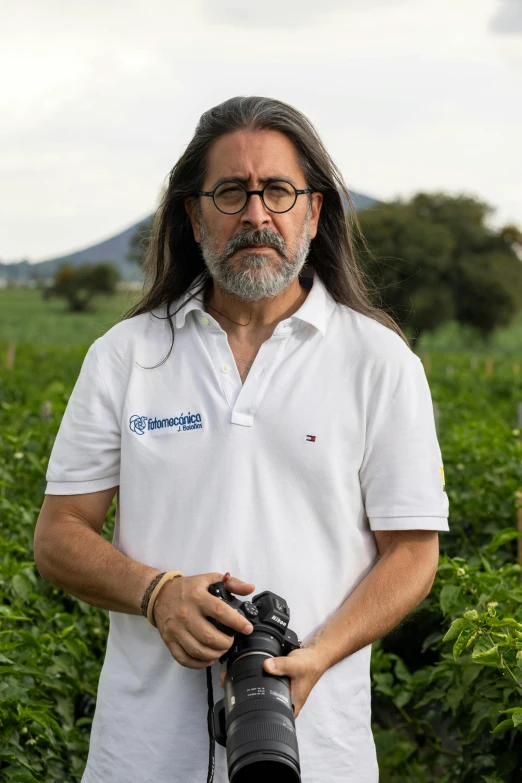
{"points": [[244, 399]]}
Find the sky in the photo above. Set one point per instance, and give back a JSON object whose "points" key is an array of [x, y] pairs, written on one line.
{"points": [[98, 99]]}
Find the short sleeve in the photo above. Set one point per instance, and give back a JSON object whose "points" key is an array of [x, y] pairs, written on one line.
{"points": [[86, 453], [402, 475]]}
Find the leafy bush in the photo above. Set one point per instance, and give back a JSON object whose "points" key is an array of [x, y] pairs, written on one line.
{"points": [[446, 701], [440, 695], [463, 715], [51, 644]]}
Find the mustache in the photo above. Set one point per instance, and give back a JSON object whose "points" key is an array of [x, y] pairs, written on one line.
{"points": [[248, 238]]}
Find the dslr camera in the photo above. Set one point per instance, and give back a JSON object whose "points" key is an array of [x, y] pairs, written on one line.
{"points": [[255, 719]]}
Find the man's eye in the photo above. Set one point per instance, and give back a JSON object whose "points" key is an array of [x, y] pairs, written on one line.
{"points": [[279, 189], [231, 189]]}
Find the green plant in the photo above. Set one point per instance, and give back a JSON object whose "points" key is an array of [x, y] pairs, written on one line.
{"points": [[436, 717]]}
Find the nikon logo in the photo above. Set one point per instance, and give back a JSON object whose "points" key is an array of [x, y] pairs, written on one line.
{"points": [[278, 620]]}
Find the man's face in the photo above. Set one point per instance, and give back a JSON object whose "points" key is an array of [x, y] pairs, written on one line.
{"points": [[255, 253]]}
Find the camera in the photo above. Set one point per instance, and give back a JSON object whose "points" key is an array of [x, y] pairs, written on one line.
{"points": [[255, 719]]}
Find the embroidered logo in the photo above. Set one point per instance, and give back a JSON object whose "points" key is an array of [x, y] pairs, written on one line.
{"points": [[310, 438], [141, 424], [137, 424]]}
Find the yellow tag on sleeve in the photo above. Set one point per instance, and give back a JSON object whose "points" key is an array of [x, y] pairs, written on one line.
{"points": [[442, 479]]}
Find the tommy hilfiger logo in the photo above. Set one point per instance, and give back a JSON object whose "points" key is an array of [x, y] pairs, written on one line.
{"points": [[311, 438]]}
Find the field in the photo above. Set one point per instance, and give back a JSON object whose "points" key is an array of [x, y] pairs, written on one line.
{"points": [[447, 684], [26, 317]]}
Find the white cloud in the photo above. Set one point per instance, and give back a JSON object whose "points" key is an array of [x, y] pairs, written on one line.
{"points": [[276, 14], [508, 18], [103, 97]]}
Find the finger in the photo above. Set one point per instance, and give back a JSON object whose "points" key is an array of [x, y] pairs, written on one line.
{"points": [[235, 585], [195, 649], [184, 659], [223, 613], [208, 635]]}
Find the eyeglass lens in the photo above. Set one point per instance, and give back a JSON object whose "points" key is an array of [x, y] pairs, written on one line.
{"points": [[278, 196]]}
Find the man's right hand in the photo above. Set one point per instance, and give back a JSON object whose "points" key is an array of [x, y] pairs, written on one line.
{"points": [[181, 610]]}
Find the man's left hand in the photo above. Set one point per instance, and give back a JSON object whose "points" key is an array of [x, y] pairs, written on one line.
{"points": [[304, 668]]}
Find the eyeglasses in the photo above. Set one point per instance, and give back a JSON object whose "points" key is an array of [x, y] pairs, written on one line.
{"points": [[278, 195]]}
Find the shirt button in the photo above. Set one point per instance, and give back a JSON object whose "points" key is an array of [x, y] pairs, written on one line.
{"points": [[225, 368], [205, 321]]}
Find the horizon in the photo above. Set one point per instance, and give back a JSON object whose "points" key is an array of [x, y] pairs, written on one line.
{"points": [[408, 97]]}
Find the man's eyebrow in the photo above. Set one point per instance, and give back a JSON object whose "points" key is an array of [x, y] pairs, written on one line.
{"points": [[244, 180]]}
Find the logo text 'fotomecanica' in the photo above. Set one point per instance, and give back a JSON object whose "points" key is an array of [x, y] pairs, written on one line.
{"points": [[183, 423]]}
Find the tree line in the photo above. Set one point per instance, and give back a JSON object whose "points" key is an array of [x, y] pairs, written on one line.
{"points": [[428, 260]]}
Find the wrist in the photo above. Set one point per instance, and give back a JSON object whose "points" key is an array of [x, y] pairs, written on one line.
{"points": [[151, 583], [153, 591], [317, 646]]}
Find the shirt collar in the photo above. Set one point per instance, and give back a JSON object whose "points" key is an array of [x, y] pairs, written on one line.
{"points": [[315, 310]]}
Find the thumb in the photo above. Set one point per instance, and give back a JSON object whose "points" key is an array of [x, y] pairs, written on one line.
{"points": [[277, 665]]}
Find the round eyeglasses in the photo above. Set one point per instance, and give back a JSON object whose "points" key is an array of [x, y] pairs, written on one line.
{"points": [[231, 197]]}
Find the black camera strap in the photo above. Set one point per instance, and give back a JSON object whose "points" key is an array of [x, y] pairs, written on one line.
{"points": [[210, 723]]}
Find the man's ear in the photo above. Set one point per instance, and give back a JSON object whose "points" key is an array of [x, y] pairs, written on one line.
{"points": [[316, 204], [191, 204]]}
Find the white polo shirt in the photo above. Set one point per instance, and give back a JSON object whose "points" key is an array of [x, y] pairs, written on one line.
{"points": [[279, 481]]}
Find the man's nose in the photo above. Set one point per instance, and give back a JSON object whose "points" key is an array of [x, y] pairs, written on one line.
{"points": [[255, 214]]}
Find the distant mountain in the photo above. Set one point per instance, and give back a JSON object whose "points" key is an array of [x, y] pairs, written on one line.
{"points": [[114, 250], [360, 201]]}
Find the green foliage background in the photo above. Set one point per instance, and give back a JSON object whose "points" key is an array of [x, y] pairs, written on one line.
{"points": [[443, 710]]}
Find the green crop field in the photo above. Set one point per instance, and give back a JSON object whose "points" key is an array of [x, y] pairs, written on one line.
{"points": [[447, 684], [26, 317]]}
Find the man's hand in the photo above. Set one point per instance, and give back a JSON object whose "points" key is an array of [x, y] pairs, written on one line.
{"points": [[303, 666], [181, 610], [398, 582]]}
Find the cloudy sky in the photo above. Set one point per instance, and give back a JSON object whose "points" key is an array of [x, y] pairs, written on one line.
{"points": [[100, 97]]}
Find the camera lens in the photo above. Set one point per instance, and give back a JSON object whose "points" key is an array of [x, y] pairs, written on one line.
{"points": [[260, 726]]}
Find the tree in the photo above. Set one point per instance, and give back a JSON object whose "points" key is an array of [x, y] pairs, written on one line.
{"points": [[435, 259], [79, 285]]}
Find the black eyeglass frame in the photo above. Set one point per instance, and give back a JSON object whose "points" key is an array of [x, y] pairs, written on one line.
{"points": [[259, 193]]}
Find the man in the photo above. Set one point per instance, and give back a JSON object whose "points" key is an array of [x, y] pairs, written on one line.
{"points": [[254, 420]]}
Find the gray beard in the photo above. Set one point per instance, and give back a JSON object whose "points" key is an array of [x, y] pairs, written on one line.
{"points": [[257, 276]]}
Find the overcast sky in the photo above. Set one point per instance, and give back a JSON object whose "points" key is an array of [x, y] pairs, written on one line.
{"points": [[99, 98]]}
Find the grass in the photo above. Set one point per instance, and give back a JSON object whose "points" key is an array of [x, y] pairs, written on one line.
{"points": [[26, 317]]}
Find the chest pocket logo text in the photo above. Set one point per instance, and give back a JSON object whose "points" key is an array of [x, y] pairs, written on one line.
{"points": [[142, 424]]}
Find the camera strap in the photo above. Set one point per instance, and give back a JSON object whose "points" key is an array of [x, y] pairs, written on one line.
{"points": [[210, 724]]}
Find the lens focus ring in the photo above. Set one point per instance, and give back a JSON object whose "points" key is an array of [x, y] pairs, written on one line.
{"points": [[265, 730], [274, 705]]}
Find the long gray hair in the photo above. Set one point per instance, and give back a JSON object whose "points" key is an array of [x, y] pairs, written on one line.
{"points": [[173, 259]]}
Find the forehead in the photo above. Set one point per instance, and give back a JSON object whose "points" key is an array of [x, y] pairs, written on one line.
{"points": [[252, 155]]}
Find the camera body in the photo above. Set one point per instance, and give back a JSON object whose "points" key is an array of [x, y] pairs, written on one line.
{"points": [[255, 719], [266, 610]]}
